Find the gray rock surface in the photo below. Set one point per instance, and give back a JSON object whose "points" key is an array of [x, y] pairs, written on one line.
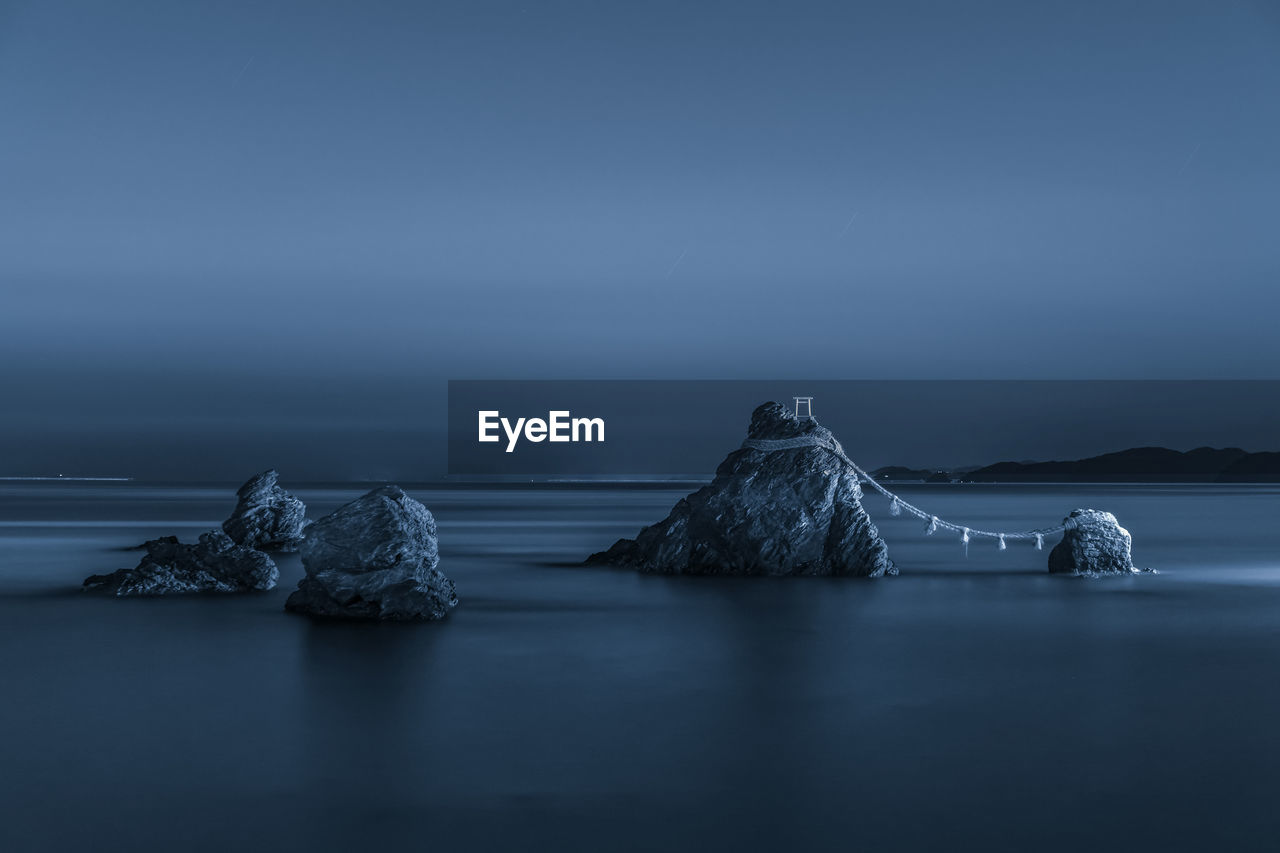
{"points": [[1093, 544], [375, 558], [266, 517], [780, 512], [214, 564]]}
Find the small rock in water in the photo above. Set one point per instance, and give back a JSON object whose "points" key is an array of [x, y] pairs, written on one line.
{"points": [[375, 558], [266, 517], [214, 564], [793, 511], [1093, 544], [170, 540]]}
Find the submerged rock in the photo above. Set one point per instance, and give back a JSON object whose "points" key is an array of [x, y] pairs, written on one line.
{"points": [[266, 517], [1094, 544], [375, 558], [789, 510], [214, 564]]}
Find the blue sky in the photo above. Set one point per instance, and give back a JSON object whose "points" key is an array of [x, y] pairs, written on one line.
{"points": [[271, 191]]}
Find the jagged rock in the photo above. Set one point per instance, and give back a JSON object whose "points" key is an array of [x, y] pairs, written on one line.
{"points": [[375, 558], [170, 540], [1094, 543], [266, 517], [768, 512], [214, 564]]}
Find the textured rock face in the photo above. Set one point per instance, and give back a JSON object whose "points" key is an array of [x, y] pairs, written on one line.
{"points": [[768, 512], [1093, 544], [214, 564], [375, 558], [266, 517]]}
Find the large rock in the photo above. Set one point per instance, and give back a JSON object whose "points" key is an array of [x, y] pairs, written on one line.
{"points": [[1094, 543], [214, 564], [786, 507], [375, 558], [266, 517]]}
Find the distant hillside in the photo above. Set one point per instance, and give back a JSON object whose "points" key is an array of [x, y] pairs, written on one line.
{"points": [[897, 473], [1140, 464], [1137, 465]]}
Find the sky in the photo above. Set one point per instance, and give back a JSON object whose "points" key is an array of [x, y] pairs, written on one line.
{"points": [[222, 222]]}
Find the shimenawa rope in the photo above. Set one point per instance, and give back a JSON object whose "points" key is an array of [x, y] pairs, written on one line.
{"points": [[897, 505]]}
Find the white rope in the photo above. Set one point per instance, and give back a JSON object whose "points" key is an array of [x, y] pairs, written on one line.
{"points": [[827, 441]]}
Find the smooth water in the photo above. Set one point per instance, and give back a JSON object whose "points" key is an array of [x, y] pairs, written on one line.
{"points": [[972, 702]]}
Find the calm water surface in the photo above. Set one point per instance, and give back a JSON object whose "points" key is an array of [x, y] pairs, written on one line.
{"points": [[971, 703]]}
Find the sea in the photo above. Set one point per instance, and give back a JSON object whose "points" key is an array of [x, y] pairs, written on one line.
{"points": [[973, 702]]}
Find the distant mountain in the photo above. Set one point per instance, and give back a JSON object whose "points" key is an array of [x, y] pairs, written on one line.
{"points": [[1140, 464], [900, 474], [1136, 465], [1253, 468]]}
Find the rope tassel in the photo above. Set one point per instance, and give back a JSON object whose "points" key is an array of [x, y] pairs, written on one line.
{"points": [[1039, 542], [932, 526], [964, 540], [895, 508], [1002, 546]]}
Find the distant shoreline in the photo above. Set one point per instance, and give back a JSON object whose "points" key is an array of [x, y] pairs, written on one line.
{"points": [[61, 479], [1135, 465], [1138, 466], [598, 485]]}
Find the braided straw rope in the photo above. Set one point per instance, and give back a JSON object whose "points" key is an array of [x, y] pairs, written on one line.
{"points": [[828, 442]]}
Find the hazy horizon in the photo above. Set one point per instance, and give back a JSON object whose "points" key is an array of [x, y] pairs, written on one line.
{"points": [[385, 434]]}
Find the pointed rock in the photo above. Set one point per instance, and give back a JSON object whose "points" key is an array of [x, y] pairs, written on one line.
{"points": [[794, 510], [266, 517]]}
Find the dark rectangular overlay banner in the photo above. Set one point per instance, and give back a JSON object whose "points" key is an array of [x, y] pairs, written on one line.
{"points": [[682, 429]]}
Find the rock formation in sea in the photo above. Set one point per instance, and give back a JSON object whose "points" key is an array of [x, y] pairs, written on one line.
{"points": [[266, 517], [786, 506], [214, 564], [1094, 543], [170, 540], [375, 558]]}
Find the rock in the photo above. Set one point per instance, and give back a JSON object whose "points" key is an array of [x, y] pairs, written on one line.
{"points": [[266, 517], [214, 564], [1094, 544], [170, 540], [793, 511], [375, 558]]}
